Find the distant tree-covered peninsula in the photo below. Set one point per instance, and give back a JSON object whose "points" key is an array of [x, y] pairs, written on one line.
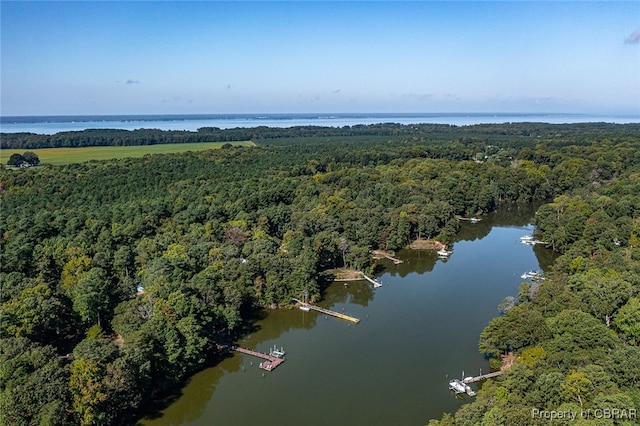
{"points": [[120, 278], [118, 137]]}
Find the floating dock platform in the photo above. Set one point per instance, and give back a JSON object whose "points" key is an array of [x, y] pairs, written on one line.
{"points": [[270, 361]]}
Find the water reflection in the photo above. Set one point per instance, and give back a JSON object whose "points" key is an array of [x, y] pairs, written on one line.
{"points": [[510, 215], [188, 405], [356, 292]]}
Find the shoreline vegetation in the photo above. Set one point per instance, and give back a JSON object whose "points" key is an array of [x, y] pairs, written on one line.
{"points": [[175, 253], [427, 244], [344, 274]]}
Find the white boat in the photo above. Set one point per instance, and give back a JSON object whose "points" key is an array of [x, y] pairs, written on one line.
{"points": [[530, 274], [443, 253], [526, 239], [457, 386], [376, 284], [304, 305]]}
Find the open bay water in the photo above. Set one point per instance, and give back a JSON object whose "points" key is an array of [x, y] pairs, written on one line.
{"points": [[417, 331], [54, 124]]}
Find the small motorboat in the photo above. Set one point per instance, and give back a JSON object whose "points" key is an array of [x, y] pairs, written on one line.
{"points": [[526, 239], [530, 275], [457, 386], [443, 253]]}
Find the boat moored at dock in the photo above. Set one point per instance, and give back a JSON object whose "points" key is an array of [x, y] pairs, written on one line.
{"points": [[443, 253], [532, 275], [527, 239], [271, 361], [459, 386]]}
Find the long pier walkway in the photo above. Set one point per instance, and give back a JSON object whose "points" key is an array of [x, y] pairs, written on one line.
{"points": [[482, 377], [374, 282], [327, 311], [270, 363]]}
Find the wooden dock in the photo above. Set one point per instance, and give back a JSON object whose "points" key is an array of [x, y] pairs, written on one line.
{"points": [[395, 261], [460, 386], [481, 377], [270, 363], [381, 253], [327, 311], [375, 283], [470, 219]]}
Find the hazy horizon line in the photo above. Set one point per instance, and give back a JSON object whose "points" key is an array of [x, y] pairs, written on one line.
{"points": [[323, 114]]}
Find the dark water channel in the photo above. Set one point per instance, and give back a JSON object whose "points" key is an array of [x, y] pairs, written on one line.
{"points": [[416, 331]]}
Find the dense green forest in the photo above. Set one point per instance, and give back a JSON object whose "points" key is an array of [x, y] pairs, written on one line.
{"points": [[120, 278]]}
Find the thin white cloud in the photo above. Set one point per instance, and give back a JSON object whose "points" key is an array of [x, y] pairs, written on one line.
{"points": [[419, 96], [633, 38]]}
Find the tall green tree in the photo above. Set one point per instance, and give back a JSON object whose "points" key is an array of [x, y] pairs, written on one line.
{"points": [[91, 296]]}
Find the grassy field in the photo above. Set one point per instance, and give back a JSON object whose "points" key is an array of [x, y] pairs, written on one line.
{"points": [[78, 155]]}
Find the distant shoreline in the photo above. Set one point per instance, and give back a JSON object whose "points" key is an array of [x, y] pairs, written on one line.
{"points": [[52, 124]]}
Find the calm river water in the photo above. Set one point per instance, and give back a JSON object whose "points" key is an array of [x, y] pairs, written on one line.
{"points": [[417, 331]]}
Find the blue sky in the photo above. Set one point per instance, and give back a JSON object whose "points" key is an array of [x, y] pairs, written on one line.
{"points": [[266, 57]]}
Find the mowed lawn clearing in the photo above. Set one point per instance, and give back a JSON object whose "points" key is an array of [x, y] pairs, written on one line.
{"points": [[60, 156]]}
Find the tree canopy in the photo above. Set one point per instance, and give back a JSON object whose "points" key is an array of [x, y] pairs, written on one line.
{"points": [[29, 158]]}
